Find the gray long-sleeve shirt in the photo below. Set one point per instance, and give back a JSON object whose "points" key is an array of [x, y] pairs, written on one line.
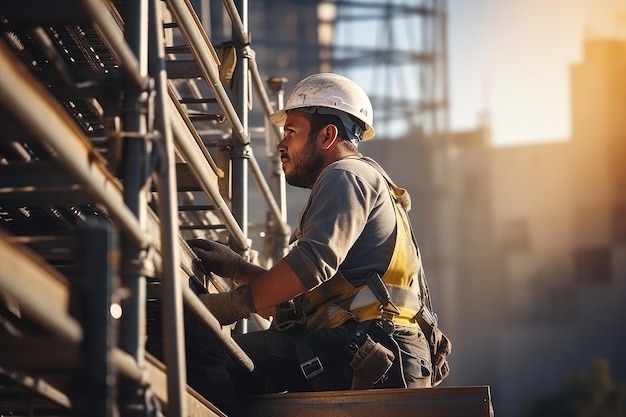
{"points": [[348, 224]]}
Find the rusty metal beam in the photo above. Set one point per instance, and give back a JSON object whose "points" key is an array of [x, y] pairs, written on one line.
{"points": [[37, 385], [39, 289], [197, 405], [427, 402]]}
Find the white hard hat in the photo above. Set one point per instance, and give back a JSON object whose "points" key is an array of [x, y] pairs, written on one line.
{"points": [[330, 92]]}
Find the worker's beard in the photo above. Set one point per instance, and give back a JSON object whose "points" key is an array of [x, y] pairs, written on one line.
{"points": [[305, 166]]}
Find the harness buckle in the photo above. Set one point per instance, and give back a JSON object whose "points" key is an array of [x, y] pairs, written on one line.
{"points": [[386, 325], [311, 368], [388, 313]]}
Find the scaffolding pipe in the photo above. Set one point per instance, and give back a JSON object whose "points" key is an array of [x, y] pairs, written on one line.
{"points": [[171, 294], [201, 169], [280, 241], [35, 109], [241, 152], [239, 28], [136, 154], [258, 84], [201, 48], [242, 34], [113, 37], [43, 297], [127, 366], [205, 55], [192, 301], [241, 31]]}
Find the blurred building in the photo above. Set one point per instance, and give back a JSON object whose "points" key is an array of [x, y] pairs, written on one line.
{"points": [[525, 246]]}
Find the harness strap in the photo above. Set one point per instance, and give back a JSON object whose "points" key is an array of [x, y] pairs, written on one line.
{"points": [[405, 202], [400, 296], [396, 297], [311, 366]]}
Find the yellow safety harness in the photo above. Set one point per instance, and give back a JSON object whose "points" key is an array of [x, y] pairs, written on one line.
{"points": [[335, 301]]}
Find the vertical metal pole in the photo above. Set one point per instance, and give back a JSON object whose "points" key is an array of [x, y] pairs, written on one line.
{"points": [[96, 396], [135, 174], [135, 169], [241, 152], [277, 176], [171, 294]]}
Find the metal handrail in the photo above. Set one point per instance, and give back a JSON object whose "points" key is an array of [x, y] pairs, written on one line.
{"points": [[192, 301], [203, 173], [172, 286], [202, 50], [254, 69]]}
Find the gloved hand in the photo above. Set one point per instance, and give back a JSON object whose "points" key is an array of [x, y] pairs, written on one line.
{"points": [[442, 349], [218, 258], [229, 307]]}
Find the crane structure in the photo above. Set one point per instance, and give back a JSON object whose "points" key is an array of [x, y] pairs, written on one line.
{"points": [[397, 49]]}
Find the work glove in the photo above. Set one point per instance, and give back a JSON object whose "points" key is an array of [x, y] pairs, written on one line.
{"points": [[442, 349], [231, 306], [218, 258]]}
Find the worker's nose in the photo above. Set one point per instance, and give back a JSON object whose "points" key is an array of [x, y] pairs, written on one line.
{"points": [[280, 147]]}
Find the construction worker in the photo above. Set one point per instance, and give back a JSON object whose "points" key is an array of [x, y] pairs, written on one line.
{"points": [[350, 305]]}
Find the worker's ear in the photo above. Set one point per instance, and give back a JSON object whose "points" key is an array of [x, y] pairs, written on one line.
{"points": [[330, 136]]}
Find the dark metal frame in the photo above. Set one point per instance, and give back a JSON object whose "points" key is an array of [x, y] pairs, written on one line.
{"points": [[144, 132]]}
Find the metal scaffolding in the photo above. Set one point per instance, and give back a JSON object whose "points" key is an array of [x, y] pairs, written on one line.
{"points": [[100, 139]]}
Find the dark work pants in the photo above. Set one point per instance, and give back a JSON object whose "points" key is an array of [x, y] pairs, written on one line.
{"points": [[213, 373]]}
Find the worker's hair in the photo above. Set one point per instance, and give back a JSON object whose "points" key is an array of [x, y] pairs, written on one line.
{"points": [[319, 121]]}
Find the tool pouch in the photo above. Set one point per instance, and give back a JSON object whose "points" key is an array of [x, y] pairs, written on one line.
{"points": [[288, 315], [370, 363], [440, 345]]}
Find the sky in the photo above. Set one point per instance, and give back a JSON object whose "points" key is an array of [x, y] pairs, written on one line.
{"points": [[513, 58], [509, 57]]}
